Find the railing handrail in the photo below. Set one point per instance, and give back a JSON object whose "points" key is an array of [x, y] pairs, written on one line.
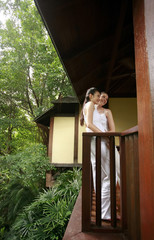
{"points": [[108, 134], [130, 131], [101, 134]]}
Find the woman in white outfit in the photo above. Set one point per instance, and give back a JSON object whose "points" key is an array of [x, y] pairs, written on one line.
{"points": [[98, 120], [111, 128]]}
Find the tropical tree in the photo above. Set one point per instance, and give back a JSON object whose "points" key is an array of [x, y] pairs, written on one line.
{"points": [[29, 61], [31, 74]]}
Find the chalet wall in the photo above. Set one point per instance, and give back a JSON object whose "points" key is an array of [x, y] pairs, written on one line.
{"points": [[124, 112], [63, 140]]}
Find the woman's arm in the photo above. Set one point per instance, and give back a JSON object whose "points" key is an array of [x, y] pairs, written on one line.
{"points": [[89, 112], [111, 124]]}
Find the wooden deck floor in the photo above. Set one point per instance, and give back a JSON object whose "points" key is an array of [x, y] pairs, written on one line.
{"points": [[74, 232]]}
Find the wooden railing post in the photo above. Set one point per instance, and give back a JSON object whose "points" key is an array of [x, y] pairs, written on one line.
{"points": [[98, 181], [86, 184], [132, 167], [112, 182], [123, 192]]}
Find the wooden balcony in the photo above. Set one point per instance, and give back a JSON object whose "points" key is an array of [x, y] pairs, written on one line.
{"points": [[85, 222]]}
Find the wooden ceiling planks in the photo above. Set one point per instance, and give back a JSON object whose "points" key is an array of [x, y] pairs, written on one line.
{"points": [[94, 40]]}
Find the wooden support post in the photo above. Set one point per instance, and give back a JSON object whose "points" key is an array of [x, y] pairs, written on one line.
{"points": [[144, 58]]}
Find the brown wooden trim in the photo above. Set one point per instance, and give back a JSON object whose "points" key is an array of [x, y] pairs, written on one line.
{"points": [[86, 188], [144, 47], [103, 134], [98, 181], [130, 131], [132, 170], [106, 230], [123, 192], [136, 186], [76, 136], [108, 134], [50, 138], [112, 182]]}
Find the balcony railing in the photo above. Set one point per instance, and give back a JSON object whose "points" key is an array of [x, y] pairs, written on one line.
{"points": [[129, 185]]}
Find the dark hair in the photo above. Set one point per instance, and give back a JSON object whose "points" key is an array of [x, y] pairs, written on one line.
{"points": [[104, 93], [92, 91], [106, 105]]}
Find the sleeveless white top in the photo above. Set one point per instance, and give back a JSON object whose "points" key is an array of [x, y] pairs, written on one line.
{"points": [[99, 120]]}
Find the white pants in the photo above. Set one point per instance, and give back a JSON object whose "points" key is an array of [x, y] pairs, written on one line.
{"points": [[117, 159], [105, 176]]}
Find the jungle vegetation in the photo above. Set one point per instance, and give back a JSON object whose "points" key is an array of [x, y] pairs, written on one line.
{"points": [[31, 77]]}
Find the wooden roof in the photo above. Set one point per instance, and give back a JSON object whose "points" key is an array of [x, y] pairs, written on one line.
{"points": [[95, 42], [66, 106]]}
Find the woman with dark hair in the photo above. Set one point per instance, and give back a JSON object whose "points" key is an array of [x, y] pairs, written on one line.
{"points": [[92, 97], [96, 123], [107, 115]]}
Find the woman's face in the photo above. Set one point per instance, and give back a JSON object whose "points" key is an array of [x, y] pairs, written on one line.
{"points": [[95, 98], [103, 99]]}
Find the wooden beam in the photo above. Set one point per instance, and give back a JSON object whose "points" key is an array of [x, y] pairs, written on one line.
{"points": [[50, 138], [144, 58], [76, 134]]}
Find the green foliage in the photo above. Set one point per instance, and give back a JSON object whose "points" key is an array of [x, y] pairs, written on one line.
{"points": [[31, 74], [27, 211], [22, 178], [16, 132], [28, 166], [33, 69], [2, 228], [47, 217], [31, 77]]}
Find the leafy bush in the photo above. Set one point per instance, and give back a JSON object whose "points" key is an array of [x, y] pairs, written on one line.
{"points": [[28, 166], [27, 211], [47, 217], [22, 177]]}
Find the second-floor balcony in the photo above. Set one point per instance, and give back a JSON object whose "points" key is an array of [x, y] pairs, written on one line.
{"points": [[88, 207]]}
